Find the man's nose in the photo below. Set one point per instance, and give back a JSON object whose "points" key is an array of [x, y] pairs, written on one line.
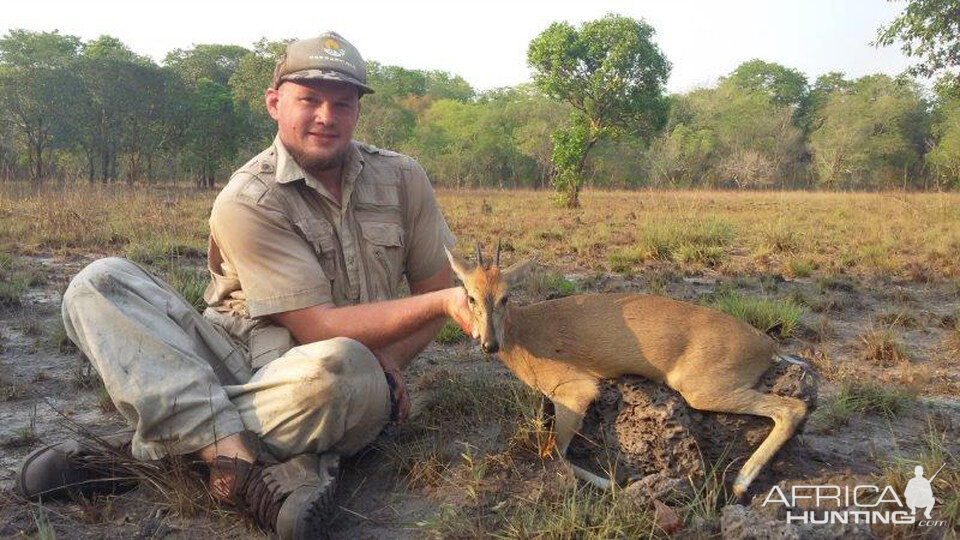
{"points": [[490, 347], [325, 114]]}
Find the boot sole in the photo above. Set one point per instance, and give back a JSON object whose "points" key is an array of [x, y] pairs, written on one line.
{"points": [[316, 504]]}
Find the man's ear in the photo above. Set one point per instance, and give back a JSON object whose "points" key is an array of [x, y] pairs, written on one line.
{"points": [[517, 272], [270, 97], [460, 267]]}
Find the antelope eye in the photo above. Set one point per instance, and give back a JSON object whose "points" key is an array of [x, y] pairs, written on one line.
{"points": [[471, 300], [503, 301]]}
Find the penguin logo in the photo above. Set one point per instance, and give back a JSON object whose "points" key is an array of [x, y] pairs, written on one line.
{"points": [[333, 48], [918, 492]]}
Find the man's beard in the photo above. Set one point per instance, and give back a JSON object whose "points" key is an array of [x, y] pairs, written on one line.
{"points": [[319, 164]]}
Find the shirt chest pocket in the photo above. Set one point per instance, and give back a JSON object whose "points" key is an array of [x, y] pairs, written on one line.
{"points": [[323, 240], [383, 243]]}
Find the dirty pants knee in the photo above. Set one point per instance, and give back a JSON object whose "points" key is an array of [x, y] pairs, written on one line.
{"points": [[181, 382]]}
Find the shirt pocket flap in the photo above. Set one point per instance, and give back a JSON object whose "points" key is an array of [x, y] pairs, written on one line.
{"points": [[382, 234], [319, 233]]}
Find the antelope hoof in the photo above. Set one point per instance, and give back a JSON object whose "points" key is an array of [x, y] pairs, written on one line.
{"points": [[598, 481], [739, 492]]}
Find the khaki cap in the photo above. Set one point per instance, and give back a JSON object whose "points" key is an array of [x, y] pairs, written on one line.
{"points": [[326, 57]]}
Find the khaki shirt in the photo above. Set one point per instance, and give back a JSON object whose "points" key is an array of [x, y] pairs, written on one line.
{"points": [[279, 241]]}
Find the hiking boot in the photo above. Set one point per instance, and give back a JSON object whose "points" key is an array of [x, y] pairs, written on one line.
{"points": [[71, 468], [294, 499]]}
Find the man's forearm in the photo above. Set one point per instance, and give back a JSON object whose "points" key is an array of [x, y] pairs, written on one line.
{"points": [[376, 325], [403, 351]]}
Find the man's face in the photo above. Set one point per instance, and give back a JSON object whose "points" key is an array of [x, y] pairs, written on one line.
{"points": [[315, 120]]}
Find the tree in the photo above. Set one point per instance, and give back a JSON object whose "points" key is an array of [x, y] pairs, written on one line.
{"points": [[784, 85], [216, 63], [928, 30], [212, 137], [728, 136], [39, 91], [944, 157], [253, 75], [872, 134], [613, 74]]}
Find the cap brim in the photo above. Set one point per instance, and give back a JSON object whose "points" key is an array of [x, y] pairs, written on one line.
{"points": [[325, 75]]}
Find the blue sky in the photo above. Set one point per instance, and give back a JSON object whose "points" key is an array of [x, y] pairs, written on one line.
{"points": [[486, 42]]}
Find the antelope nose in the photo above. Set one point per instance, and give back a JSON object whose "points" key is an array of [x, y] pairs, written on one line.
{"points": [[490, 347]]}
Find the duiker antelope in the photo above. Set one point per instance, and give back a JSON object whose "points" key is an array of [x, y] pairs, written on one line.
{"points": [[562, 347]]}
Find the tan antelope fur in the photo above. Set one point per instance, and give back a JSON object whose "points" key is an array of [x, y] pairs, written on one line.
{"points": [[563, 347]]}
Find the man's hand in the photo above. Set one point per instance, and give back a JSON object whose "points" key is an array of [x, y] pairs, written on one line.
{"points": [[399, 391], [458, 309]]}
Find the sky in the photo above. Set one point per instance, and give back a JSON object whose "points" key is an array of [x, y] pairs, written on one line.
{"points": [[486, 42]]}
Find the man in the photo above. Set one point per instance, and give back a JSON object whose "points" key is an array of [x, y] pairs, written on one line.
{"points": [[298, 359]]}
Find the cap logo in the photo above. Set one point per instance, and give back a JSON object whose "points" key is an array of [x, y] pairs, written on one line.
{"points": [[333, 48]]}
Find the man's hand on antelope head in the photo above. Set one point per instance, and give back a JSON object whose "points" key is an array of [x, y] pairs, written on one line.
{"points": [[458, 308]]}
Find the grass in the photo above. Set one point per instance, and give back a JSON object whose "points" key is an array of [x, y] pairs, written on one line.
{"points": [[548, 285], [801, 267], [858, 397], [190, 282], [779, 317], [700, 241], [25, 436], [571, 510], [450, 334], [876, 233], [934, 454], [880, 346], [9, 390], [15, 278]]}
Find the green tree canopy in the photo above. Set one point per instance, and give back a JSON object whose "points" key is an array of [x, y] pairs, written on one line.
{"points": [[928, 30], [871, 134], [784, 85], [612, 73], [214, 62]]}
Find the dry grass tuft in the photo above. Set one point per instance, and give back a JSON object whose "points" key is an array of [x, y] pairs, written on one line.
{"points": [[881, 347]]}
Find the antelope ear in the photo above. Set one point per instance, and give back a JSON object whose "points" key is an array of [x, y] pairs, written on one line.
{"points": [[460, 267], [517, 272]]}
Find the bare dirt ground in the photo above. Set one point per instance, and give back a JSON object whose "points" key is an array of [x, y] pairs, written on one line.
{"points": [[467, 465]]}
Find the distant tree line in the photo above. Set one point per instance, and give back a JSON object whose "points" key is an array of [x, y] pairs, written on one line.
{"points": [[98, 112]]}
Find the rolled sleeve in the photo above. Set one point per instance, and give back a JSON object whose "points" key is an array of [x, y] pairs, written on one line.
{"points": [[277, 268], [428, 232]]}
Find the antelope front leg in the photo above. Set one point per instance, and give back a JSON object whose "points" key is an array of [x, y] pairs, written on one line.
{"points": [[569, 408]]}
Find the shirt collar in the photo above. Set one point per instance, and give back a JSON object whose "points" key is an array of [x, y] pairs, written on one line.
{"points": [[288, 170]]}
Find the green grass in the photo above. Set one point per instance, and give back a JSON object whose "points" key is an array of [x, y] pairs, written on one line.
{"points": [[450, 334], [857, 397], [701, 242], [190, 283], [15, 279], [573, 510], [781, 239], [801, 268], [625, 260], [780, 317], [545, 285]]}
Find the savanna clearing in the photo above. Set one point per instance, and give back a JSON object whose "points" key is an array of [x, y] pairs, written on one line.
{"points": [[864, 286]]}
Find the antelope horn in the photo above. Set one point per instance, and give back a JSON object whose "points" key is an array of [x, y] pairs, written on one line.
{"points": [[479, 255], [498, 253]]}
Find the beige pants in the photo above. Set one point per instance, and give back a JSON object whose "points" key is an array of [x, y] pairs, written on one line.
{"points": [[182, 383]]}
